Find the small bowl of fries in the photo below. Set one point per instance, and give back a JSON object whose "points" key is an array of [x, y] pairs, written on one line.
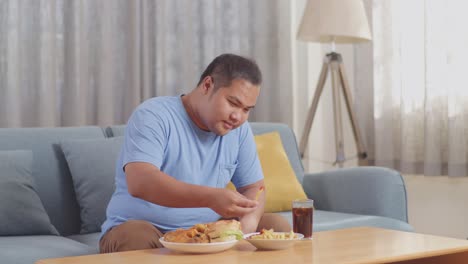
{"points": [[270, 240]]}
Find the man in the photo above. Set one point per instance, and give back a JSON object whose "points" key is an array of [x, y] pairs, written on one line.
{"points": [[178, 155]]}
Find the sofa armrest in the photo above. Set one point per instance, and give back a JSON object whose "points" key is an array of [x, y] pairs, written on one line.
{"points": [[362, 190]]}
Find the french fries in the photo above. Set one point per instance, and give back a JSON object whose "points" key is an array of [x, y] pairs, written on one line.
{"points": [[270, 234], [259, 192]]}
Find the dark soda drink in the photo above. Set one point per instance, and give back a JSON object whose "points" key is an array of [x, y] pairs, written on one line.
{"points": [[302, 221]]}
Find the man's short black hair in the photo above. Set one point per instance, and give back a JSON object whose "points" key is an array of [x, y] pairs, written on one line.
{"points": [[227, 67]]}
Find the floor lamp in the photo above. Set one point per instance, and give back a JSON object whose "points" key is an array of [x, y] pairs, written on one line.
{"points": [[335, 21]]}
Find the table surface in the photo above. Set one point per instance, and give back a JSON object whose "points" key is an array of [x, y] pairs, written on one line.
{"points": [[352, 245]]}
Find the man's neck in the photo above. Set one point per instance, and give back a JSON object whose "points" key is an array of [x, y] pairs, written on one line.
{"points": [[187, 102]]}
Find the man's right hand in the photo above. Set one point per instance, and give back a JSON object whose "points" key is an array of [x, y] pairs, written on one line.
{"points": [[228, 203]]}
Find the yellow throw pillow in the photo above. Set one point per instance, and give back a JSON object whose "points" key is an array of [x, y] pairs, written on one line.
{"points": [[281, 184]]}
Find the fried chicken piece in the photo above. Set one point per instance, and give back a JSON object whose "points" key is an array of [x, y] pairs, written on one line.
{"points": [[186, 236], [219, 231]]}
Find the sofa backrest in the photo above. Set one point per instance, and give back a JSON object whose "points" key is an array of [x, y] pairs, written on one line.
{"points": [[115, 131], [287, 137], [52, 178]]}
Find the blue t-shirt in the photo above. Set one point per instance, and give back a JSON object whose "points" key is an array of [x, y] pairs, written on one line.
{"points": [[160, 132]]}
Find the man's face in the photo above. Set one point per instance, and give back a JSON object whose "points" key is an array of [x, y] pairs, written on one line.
{"points": [[228, 107]]}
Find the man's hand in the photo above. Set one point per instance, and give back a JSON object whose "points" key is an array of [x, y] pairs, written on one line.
{"points": [[228, 203]]}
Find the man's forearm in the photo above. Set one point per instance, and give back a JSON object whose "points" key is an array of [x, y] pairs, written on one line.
{"points": [[147, 182], [250, 221], [153, 185]]}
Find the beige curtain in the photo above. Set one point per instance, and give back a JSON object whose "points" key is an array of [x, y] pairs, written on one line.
{"points": [[90, 62], [418, 118]]}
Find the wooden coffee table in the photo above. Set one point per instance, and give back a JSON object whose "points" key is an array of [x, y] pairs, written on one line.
{"points": [[352, 245]]}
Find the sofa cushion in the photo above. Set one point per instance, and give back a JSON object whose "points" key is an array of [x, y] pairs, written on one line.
{"points": [[21, 209], [289, 143], [91, 239], [29, 249], [52, 177], [92, 166], [325, 220], [280, 180]]}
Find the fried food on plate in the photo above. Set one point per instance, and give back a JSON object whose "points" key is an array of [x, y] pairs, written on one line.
{"points": [[219, 231], [186, 236]]}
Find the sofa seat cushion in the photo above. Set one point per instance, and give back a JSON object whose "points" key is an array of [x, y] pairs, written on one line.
{"points": [[325, 220], [29, 249], [91, 239]]}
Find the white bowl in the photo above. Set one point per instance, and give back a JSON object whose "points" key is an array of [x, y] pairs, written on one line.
{"points": [[273, 244]]}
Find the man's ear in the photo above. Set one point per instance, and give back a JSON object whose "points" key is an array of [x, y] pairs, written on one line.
{"points": [[207, 84]]}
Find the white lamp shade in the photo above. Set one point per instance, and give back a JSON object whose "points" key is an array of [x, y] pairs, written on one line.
{"points": [[343, 21]]}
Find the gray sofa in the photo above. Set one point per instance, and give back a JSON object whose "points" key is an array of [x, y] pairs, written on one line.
{"points": [[365, 196]]}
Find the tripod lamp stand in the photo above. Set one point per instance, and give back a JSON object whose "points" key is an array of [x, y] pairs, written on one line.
{"points": [[335, 21]]}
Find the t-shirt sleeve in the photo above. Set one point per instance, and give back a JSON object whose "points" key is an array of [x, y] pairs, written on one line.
{"points": [[248, 169], [145, 138]]}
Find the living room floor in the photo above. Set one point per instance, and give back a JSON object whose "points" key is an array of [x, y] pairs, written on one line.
{"points": [[437, 205]]}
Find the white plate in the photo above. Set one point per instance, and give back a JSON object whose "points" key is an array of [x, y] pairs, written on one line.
{"points": [[272, 244], [198, 247]]}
